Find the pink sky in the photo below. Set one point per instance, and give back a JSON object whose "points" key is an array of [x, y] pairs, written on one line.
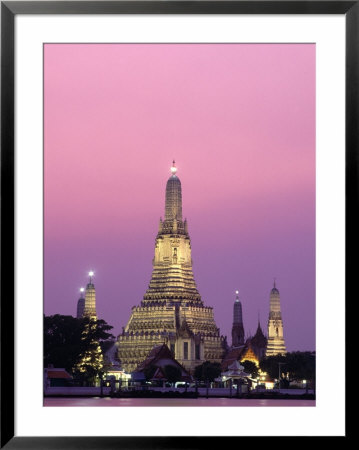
{"points": [[240, 121]]}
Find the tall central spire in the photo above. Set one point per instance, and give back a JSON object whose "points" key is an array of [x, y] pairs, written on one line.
{"points": [[172, 311], [172, 276], [173, 208]]}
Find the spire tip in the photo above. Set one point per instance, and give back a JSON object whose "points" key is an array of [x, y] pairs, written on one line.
{"points": [[173, 168]]}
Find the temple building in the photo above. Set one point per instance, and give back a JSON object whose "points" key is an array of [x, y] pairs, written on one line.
{"points": [[172, 311], [253, 348], [159, 358], [258, 343], [80, 305], [237, 328], [276, 343], [89, 307]]}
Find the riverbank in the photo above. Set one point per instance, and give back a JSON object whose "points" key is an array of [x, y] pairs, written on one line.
{"points": [[179, 393], [171, 402], [159, 391]]}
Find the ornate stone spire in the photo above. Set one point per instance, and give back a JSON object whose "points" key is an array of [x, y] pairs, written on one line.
{"points": [[276, 343], [274, 303], [90, 299], [173, 208], [172, 276], [81, 304], [237, 328], [172, 310]]}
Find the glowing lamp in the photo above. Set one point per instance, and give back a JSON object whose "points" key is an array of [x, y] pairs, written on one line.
{"points": [[173, 168], [237, 292], [82, 289], [91, 274]]}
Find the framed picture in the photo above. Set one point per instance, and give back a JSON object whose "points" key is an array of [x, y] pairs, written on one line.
{"points": [[255, 104]]}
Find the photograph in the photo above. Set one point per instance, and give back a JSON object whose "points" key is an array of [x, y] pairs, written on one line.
{"points": [[179, 221]]}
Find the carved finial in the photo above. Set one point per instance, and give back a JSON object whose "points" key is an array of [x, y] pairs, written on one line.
{"points": [[173, 168], [237, 296]]}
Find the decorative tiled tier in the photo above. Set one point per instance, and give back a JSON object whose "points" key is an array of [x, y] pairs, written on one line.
{"points": [[172, 311]]}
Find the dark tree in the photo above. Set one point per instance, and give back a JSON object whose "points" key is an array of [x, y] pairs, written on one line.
{"points": [[62, 341], [207, 371], [250, 367], [172, 373], [91, 363], [149, 371], [300, 365], [96, 332], [295, 366], [67, 338]]}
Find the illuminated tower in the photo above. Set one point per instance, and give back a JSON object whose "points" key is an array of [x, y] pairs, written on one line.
{"points": [[172, 279], [92, 357], [172, 310], [81, 305], [275, 343], [237, 328], [90, 299]]}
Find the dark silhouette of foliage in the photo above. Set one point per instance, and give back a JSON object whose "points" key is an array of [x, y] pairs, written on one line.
{"points": [[296, 366], [149, 371], [62, 341], [66, 338], [96, 332], [207, 371], [172, 373], [250, 367]]}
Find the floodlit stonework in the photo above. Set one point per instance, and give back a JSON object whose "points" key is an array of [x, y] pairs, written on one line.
{"points": [[86, 308], [89, 306], [172, 311], [275, 343]]}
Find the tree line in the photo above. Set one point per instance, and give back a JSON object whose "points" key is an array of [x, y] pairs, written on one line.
{"points": [[79, 346]]}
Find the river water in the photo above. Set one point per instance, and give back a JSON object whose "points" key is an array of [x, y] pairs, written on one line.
{"points": [[204, 402]]}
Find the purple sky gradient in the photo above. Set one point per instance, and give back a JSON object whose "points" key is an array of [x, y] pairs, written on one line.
{"points": [[240, 121]]}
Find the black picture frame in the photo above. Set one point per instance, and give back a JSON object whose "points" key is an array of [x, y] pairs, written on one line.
{"points": [[9, 10]]}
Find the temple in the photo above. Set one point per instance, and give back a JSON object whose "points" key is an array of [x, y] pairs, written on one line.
{"points": [[172, 311], [86, 308], [80, 305], [251, 349], [89, 305], [259, 343], [237, 328], [276, 343]]}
